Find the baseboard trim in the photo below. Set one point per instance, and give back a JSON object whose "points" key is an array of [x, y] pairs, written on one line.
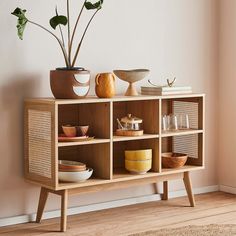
{"points": [[228, 189], [104, 205]]}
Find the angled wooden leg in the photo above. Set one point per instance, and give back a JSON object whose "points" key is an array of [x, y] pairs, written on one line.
{"points": [[64, 203], [165, 190], [42, 202], [188, 186]]}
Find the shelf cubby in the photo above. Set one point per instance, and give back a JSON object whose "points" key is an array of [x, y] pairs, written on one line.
{"points": [[192, 106], [188, 144], [147, 110], [96, 115], [119, 149], [96, 156]]}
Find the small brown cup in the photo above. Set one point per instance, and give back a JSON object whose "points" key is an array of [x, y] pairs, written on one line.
{"points": [[69, 131], [82, 130]]}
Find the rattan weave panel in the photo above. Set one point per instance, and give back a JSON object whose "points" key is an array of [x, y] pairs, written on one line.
{"points": [[186, 144], [190, 108], [39, 138]]}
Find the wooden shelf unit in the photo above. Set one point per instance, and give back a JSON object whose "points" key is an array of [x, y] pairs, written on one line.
{"points": [[43, 119]]}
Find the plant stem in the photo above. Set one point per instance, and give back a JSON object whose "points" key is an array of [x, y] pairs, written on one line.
{"points": [[73, 34], [81, 41], [62, 37], [58, 40], [68, 25]]}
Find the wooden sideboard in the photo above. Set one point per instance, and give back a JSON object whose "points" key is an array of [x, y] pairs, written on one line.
{"points": [[43, 119]]}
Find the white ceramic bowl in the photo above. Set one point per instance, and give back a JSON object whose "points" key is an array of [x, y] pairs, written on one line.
{"points": [[79, 176]]}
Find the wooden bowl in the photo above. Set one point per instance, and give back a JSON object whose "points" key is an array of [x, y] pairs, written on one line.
{"points": [[71, 166], [123, 132], [69, 131], [82, 130], [173, 160]]}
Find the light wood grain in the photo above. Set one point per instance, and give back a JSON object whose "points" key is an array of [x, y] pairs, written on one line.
{"points": [[165, 190], [42, 202], [212, 208], [144, 136], [105, 154], [64, 205], [93, 141], [94, 99], [188, 186]]}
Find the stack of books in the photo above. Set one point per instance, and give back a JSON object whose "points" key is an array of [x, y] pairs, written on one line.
{"points": [[165, 90]]}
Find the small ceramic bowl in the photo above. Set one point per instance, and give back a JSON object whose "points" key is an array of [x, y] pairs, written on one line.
{"points": [[79, 176], [82, 130], [138, 167], [138, 155], [69, 131], [71, 166]]}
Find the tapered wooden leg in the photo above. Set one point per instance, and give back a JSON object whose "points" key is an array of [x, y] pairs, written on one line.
{"points": [[42, 202], [188, 186], [165, 190], [64, 203]]}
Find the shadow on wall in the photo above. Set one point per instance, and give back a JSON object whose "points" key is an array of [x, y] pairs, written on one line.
{"points": [[12, 96]]}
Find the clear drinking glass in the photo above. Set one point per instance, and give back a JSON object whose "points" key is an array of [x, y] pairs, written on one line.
{"points": [[183, 121], [174, 122], [164, 123], [170, 122]]}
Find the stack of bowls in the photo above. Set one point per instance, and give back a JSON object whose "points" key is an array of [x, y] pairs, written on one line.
{"points": [[138, 161], [73, 171]]}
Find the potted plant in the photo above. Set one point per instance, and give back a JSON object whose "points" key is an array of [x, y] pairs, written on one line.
{"points": [[69, 81]]}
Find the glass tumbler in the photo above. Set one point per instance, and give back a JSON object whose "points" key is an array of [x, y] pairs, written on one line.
{"points": [[183, 121]]}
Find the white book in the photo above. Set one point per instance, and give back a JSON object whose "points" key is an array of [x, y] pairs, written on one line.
{"points": [[161, 93], [166, 88]]}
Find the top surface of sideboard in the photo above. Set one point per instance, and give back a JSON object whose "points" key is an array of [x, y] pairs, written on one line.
{"points": [[94, 99]]}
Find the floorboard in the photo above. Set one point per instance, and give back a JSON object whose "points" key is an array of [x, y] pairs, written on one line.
{"points": [[212, 208]]}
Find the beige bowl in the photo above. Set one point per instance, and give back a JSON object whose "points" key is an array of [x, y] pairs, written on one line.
{"points": [[71, 166], [131, 76]]}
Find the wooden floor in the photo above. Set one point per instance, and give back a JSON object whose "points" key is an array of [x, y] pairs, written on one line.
{"points": [[212, 208]]}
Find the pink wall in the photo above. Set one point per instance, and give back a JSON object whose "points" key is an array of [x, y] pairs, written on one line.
{"points": [[227, 86], [172, 38]]}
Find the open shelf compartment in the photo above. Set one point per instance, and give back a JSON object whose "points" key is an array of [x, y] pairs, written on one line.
{"points": [[192, 145], [192, 106], [147, 110], [96, 115], [95, 156], [119, 149]]}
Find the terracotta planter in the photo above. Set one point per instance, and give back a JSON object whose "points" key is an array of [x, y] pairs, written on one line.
{"points": [[70, 84]]}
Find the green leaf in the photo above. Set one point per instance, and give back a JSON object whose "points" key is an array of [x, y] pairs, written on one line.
{"points": [[92, 6], [58, 20], [21, 22]]}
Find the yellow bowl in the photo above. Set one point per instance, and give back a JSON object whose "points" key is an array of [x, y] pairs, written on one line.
{"points": [[138, 155], [138, 167]]}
